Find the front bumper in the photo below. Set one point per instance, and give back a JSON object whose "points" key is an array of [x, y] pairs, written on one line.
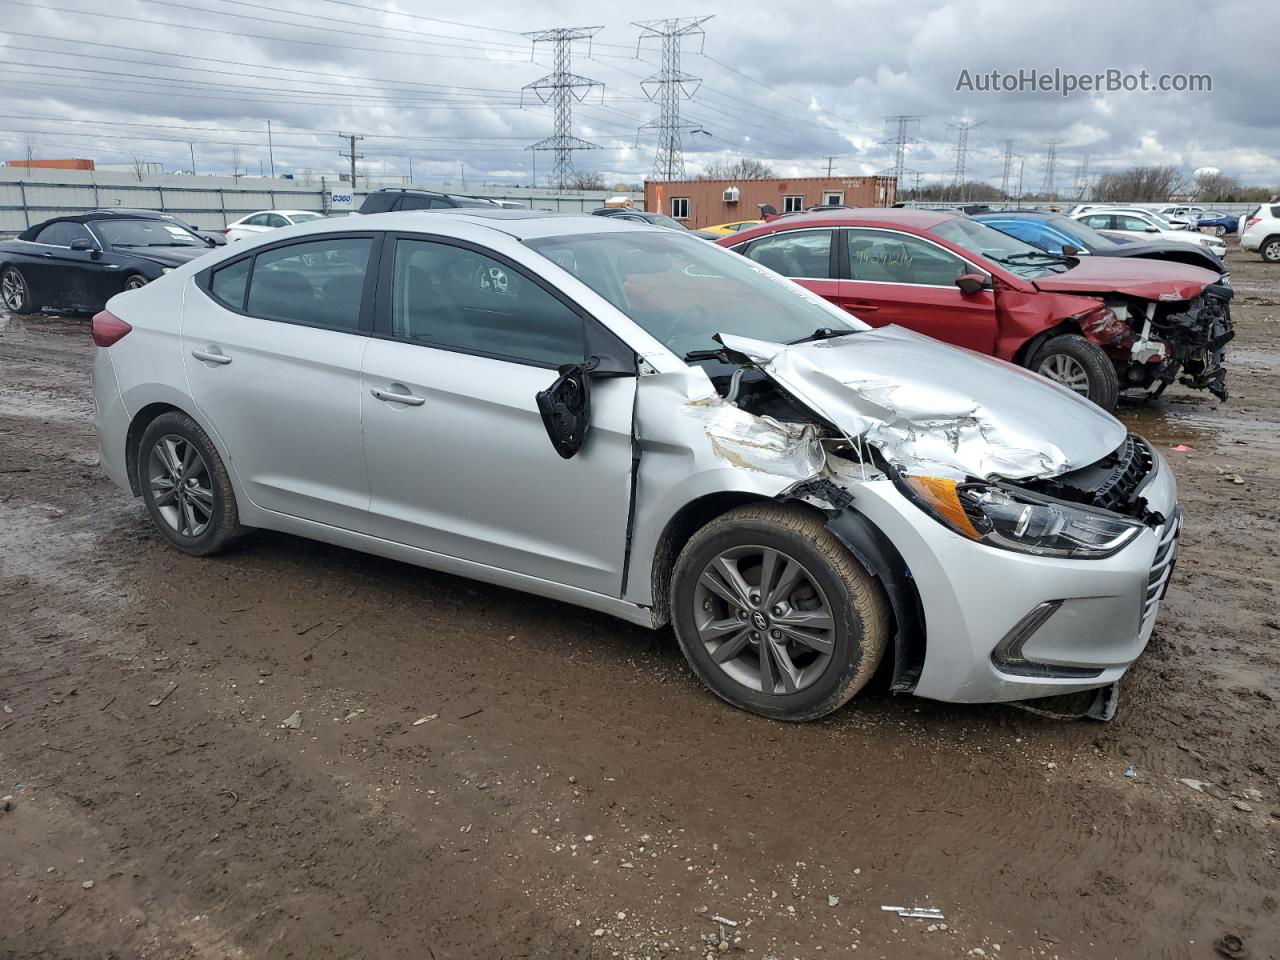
{"points": [[974, 597]]}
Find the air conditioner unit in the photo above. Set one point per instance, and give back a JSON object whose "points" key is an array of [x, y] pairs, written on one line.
{"points": [[730, 194]]}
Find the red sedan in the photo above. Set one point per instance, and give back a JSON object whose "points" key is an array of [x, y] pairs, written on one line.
{"points": [[1098, 325]]}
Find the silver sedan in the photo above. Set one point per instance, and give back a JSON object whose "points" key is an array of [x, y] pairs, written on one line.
{"points": [[639, 422]]}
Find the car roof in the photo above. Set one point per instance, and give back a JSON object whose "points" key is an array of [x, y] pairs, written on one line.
{"points": [[1023, 214], [521, 224], [869, 216]]}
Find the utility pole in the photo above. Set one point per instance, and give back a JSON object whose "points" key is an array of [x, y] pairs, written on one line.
{"points": [[666, 87], [1007, 172], [351, 154], [1050, 165], [411, 168], [900, 141], [1022, 165], [561, 88], [462, 173], [271, 151], [830, 161], [1082, 177], [192, 147], [962, 148]]}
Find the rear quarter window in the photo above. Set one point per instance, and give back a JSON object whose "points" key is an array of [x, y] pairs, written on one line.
{"points": [[1275, 212], [379, 202], [228, 283]]}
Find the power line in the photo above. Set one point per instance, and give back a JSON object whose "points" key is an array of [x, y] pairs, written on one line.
{"points": [[561, 88], [667, 86]]}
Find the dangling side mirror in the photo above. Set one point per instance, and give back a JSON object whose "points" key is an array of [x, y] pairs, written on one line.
{"points": [[566, 408]]}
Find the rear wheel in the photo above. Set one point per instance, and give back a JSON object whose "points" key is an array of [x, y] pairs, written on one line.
{"points": [[1079, 365], [1270, 250], [1219, 231], [775, 615], [135, 282], [185, 485], [14, 291]]}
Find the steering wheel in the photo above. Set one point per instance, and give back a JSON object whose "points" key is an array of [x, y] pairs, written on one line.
{"points": [[493, 278]]}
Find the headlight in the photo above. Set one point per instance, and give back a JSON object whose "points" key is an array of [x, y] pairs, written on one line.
{"points": [[1021, 521], [164, 270]]}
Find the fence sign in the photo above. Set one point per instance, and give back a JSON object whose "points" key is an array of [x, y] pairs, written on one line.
{"points": [[342, 201]]}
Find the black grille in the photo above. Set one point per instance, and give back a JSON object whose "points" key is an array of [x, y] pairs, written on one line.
{"points": [[1110, 484]]}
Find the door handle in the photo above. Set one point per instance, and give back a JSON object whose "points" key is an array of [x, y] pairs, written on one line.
{"points": [[391, 396], [219, 358], [864, 307]]}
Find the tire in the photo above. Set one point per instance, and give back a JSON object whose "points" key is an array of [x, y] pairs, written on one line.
{"points": [[136, 282], [198, 524], [1080, 365], [831, 583], [15, 292], [1219, 231], [1270, 249]]}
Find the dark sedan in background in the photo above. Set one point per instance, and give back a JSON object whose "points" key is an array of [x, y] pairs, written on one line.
{"points": [[80, 262], [1053, 232]]}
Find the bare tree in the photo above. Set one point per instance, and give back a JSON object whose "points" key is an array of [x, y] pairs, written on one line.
{"points": [[307, 177], [1218, 188], [741, 169], [1140, 183], [581, 180], [139, 164], [30, 147]]}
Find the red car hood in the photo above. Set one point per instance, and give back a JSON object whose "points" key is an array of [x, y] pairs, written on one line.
{"points": [[1149, 279]]}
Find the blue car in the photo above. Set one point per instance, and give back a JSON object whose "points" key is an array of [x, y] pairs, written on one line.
{"points": [[1053, 233], [1221, 223]]}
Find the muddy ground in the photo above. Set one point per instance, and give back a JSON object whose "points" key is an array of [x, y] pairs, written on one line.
{"points": [[573, 792]]}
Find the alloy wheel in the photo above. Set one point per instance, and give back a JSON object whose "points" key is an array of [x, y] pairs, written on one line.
{"points": [[135, 283], [181, 485], [764, 619], [1271, 252], [13, 290], [1067, 371]]}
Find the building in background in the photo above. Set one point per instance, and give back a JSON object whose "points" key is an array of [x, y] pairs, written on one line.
{"points": [[68, 164], [704, 203]]}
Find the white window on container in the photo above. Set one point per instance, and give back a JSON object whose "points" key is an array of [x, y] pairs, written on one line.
{"points": [[832, 197], [679, 208], [793, 203]]}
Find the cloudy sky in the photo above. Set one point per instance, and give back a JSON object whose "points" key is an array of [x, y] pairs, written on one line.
{"points": [[438, 84]]}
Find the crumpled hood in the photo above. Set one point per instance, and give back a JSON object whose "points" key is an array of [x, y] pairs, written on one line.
{"points": [[937, 410], [1149, 279]]}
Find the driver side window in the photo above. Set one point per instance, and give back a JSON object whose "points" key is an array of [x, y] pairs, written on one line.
{"points": [[883, 257], [457, 299], [61, 234]]}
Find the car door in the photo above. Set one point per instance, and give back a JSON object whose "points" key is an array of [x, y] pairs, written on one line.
{"points": [[460, 461], [898, 278], [806, 256], [59, 276], [272, 343]]}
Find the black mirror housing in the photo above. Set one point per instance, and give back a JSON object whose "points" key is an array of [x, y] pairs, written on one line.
{"points": [[82, 244], [566, 409], [971, 283]]}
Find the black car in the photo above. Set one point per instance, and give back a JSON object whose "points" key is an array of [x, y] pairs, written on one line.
{"points": [[407, 198], [215, 238], [81, 262], [1054, 233]]}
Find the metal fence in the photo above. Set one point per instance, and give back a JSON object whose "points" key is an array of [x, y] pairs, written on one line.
{"points": [[27, 202]]}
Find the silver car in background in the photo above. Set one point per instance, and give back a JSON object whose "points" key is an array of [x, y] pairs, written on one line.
{"points": [[639, 422]]}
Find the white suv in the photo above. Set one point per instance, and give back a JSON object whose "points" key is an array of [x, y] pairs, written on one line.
{"points": [[1143, 225], [1261, 232]]}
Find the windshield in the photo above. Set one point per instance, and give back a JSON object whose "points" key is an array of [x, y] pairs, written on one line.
{"points": [[683, 290], [1092, 239], [661, 220], [305, 217], [1016, 256], [146, 233]]}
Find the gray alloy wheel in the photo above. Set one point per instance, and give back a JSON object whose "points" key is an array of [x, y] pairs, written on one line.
{"points": [[1065, 370], [136, 282], [1271, 250], [181, 485], [14, 291], [764, 619], [1219, 231]]}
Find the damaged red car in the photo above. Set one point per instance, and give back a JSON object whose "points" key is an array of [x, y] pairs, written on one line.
{"points": [[1103, 327]]}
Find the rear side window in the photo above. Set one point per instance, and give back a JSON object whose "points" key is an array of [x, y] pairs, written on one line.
{"points": [[414, 201], [454, 298], [1275, 212], [805, 253], [378, 202], [228, 283], [318, 284]]}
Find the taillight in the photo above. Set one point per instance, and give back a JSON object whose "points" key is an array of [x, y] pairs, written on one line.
{"points": [[107, 328], [1251, 221]]}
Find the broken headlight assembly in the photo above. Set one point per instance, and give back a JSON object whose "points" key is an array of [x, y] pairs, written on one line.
{"points": [[1012, 519]]}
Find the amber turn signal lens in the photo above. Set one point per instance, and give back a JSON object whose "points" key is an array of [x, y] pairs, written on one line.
{"points": [[940, 494]]}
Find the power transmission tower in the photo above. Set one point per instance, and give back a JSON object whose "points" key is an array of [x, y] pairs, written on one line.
{"points": [[900, 141], [1082, 177], [1050, 167], [561, 88], [1007, 172], [350, 154], [962, 148], [666, 87]]}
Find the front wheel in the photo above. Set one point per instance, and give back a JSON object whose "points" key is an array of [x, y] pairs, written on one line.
{"points": [[185, 485], [775, 615], [1219, 231], [1081, 366], [14, 291], [136, 282], [1270, 250]]}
